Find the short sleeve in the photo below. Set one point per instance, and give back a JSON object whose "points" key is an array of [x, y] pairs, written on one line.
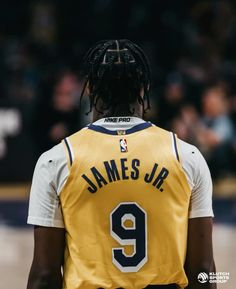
{"points": [[44, 204], [201, 197], [199, 179]]}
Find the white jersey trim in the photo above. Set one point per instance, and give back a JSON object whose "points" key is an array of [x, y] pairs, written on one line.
{"points": [[45, 222]]}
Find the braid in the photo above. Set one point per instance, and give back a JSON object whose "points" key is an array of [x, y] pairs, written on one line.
{"points": [[116, 71], [145, 64]]}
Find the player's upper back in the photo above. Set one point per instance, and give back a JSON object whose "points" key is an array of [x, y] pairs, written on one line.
{"points": [[118, 175]]}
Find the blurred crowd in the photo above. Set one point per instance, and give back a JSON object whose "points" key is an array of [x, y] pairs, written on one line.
{"points": [[198, 97], [192, 56]]}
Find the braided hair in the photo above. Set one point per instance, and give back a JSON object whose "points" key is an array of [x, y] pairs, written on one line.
{"points": [[116, 71]]}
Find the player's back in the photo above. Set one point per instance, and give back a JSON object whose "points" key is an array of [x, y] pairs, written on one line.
{"points": [[125, 208]]}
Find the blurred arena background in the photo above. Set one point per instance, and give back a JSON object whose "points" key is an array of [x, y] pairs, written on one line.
{"points": [[191, 45]]}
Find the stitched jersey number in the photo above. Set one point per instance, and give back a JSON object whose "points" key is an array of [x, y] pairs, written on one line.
{"points": [[135, 234]]}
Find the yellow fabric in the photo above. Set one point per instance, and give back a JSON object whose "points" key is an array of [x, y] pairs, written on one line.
{"points": [[88, 257]]}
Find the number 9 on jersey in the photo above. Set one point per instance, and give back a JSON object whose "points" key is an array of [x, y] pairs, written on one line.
{"points": [[135, 235]]}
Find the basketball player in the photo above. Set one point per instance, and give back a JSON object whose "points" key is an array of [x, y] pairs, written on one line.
{"points": [[122, 203]]}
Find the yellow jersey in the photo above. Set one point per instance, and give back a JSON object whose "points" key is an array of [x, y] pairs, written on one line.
{"points": [[125, 208]]}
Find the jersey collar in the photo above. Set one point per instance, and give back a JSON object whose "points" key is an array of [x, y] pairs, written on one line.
{"points": [[119, 122], [119, 125]]}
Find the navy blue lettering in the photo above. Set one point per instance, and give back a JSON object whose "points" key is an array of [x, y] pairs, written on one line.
{"points": [[99, 178], [160, 178], [92, 187], [112, 172], [124, 169], [149, 177], [135, 173]]}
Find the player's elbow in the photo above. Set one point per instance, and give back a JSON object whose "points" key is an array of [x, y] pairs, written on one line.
{"points": [[201, 267], [198, 275], [45, 279]]}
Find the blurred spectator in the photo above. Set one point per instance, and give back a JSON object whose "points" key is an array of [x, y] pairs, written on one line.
{"points": [[186, 122], [58, 116], [216, 134], [215, 117], [170, 105], [212, 132]]}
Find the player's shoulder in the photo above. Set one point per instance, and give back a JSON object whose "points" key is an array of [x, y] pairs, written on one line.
{"points": [[77, 134], [53, 156], [190, 155], [193, 162], [157, 129], [188, 150], [58, 154]]}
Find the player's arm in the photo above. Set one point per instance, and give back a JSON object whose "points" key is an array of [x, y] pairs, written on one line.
{"points": [[199, 256], [45, 214], [47, 263]]}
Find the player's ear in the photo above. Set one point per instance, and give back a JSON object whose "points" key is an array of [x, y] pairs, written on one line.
{"points": [[142, 92], [87, 89]]}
